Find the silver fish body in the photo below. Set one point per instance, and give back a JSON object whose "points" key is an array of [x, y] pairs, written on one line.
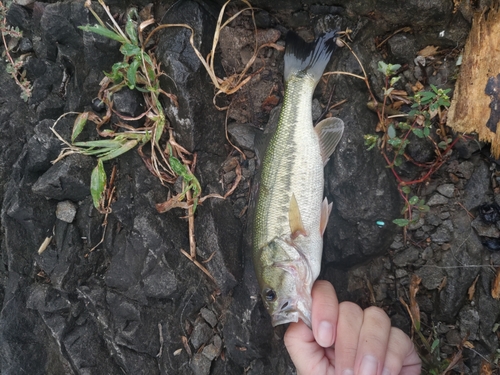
{"points": [[291, 213]]}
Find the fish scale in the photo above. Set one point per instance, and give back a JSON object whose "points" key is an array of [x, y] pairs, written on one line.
{"points": [[292, 165]]}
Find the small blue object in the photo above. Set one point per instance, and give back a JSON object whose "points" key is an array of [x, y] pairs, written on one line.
{"points": [[380, 223]]}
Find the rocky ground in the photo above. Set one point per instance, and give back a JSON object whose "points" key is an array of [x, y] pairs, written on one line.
{"points": [[136, 305]]}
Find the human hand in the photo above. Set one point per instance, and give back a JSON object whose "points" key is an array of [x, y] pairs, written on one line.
{"points": [[365, 342]]}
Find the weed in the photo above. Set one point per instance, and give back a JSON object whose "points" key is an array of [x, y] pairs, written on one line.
{"points": [[428, 108], [14, 66]]}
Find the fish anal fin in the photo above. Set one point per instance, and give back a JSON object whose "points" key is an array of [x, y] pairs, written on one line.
{"points": [[295, 219], [329, 132], [326, 209]]}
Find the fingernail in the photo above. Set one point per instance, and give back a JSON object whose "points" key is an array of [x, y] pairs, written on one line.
{"points": [[348, 371], [325, 334], [386, 371], [369, 365]]}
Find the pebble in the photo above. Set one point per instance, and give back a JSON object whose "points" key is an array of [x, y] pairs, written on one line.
{"points": [[465, 169], [210, 351], [417, 224], [209, 316], [441, 235], [66, 211], [431, 276], [447, 190], [407, 257], [200, 364], [469, 322], [401, 272], [428, 253], [243, 135], [433, 220], [485, 230], [201, 334], [436, 200], [444, 215]]}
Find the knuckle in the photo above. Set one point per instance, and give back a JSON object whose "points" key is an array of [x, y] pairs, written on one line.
{"points": [[377, 314]]}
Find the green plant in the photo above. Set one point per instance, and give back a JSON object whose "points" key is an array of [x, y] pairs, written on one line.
{"points": [[14, 66], [138, 70], [427, 110]]}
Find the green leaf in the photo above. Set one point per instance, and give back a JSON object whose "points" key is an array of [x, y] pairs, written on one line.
{"points": [[100, 143], [406, 189], [413, 200], [97, 183], [424, 208], [132, 74], [418, 132], [131, 31], [123, 149], [382, 67], [427, 131], [391, 132], [434, 345], [98, 29], [78, 125], [395, 142], [394, 80], [128, 49], [398, 161], [401, 222]]}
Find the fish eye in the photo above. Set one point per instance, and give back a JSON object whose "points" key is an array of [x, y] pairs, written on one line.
{"points": [[270, 295]]}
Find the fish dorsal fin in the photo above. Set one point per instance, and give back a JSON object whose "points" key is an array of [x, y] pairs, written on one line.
{"points": [[330, 132], [326, 209], [296, 226]]}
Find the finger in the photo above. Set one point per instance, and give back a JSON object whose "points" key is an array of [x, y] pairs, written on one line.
{"points": [[325, 308], [302, 347], [373, 341], [401, 357], [349, 324]]}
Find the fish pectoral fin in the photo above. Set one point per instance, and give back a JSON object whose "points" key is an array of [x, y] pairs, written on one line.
{"points": [[295, 220], [326, 209], [330, 132]]}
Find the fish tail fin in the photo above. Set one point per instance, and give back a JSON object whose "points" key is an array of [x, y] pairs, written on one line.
{"points": [[308, 58]]}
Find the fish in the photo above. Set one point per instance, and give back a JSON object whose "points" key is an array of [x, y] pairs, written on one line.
{"points": [[291, 212]]}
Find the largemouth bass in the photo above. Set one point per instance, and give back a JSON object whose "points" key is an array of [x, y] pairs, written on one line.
{"points": [[291, 214]]}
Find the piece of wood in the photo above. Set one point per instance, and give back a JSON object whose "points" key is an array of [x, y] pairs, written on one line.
{"points": [[475, 107]]}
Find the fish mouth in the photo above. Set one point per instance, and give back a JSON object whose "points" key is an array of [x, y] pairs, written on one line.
{"points": [[292, 312]]}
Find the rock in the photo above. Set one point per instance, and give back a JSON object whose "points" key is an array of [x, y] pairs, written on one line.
{"points": [[197, 123], [432, 276], [485, 230], [402, 48], [441, 235], [67, 179], [200, 364], [160, 283], [243, 135], [478, 187], [436, 200], [466, 169], [218, 238], [209, 317], [352, 232], [66, 211], [406, 257], [447, 190], [469, 323], [201, 334], [129, 102], [210, 351]]}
